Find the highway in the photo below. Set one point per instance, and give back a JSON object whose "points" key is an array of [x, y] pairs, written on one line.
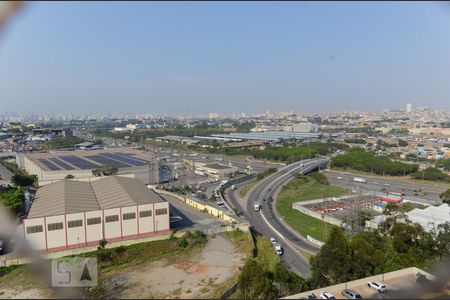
{"points": [[379, 184], [266, 223]]}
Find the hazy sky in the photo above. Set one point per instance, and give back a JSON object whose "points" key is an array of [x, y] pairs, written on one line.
{"points": [[195, 58]]}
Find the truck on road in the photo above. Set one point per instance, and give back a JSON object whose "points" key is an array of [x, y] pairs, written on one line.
{"points": [[256, 206], [359, 179]]}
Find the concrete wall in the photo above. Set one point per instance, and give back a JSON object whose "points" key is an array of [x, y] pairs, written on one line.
{"points": [[299, 206], [130, 226], [94, 232], [56, 239], [146, 224], [113, 230], [162, 222], [76, 235], [38, 240]]}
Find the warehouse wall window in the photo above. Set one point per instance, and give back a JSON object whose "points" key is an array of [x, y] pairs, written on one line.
{"points": [[34, 229], [55, 226], [75, 223], [145, 213], [92, 221], [129, 216], [113, 218], [161, 211]]}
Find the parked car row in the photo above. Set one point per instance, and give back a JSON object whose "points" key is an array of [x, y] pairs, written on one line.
{"points": [[350, 294]]}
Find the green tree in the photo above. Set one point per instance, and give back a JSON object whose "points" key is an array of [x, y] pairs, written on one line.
{"points": [[443, 240], [443, 163], [432, 174], [254, 282], [12, 198], [288, 282], [103, 254], [331, 265], [24, 180]]}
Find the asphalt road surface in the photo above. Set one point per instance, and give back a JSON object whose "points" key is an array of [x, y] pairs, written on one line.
{"points": [[377, 184], [266, 223], [183, 216]]}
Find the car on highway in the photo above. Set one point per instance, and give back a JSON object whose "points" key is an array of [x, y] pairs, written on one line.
{"points": [[327, 295], [339, 177], [256, 207], [380, 287], [375, 182], [386, 184], [351, 294], [278, 249], [273, 241]]}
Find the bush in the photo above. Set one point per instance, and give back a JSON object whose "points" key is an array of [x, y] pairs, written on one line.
{"points": [[120, 249], [432, 174], [192, 238], [320, 178]]}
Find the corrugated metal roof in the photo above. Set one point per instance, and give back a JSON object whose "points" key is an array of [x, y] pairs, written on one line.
{"points": [[72, 196]]}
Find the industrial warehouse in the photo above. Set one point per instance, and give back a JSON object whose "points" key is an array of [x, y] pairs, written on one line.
{"points": [[69, 213], [54, 166]]}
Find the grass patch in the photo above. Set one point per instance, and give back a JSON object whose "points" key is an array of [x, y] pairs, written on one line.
{"points": [[243, 191], [266, 253], [20, 276], [241, 239], [302, 189]]}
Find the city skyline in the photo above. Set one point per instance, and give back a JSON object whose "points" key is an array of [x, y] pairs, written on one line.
{"points": [[195, 58]]}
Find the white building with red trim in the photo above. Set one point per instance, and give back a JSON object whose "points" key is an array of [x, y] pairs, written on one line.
{"points": [[69, 214]]}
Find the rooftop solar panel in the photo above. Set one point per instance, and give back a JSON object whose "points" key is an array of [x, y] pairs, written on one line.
{"points": [[125, 159], [108, 162], [49, 165], [131, 156], [61, 163], [78, 162]]}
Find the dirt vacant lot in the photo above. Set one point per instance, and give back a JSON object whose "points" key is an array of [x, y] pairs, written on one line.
{"points": [[198, 275]]}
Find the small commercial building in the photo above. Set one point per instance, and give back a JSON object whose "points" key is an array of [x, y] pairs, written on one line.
{"points": [[214, 170], [431, 217], [69, 213]]}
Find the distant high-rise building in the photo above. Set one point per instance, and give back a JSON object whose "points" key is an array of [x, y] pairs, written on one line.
{"points": [[409, 107]]}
